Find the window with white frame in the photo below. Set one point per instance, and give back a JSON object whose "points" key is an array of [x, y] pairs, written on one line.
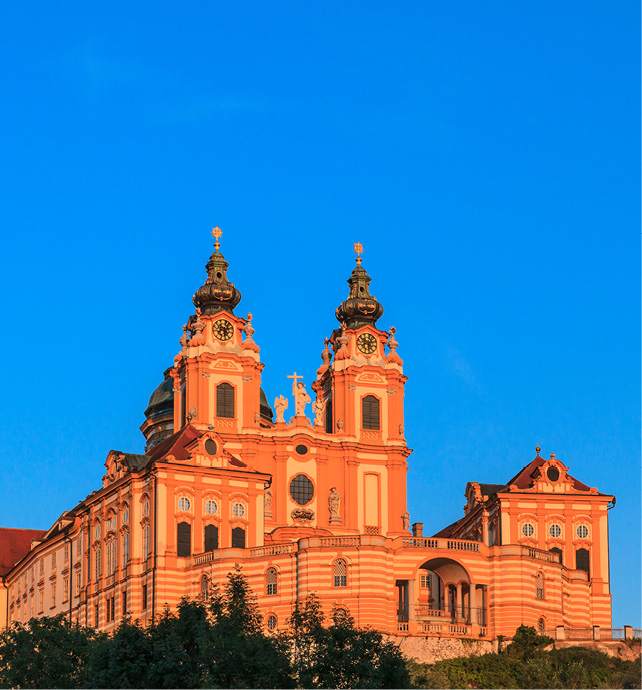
{"points": [[211, 507], [527, 529], [238, 510], [184, 504], [582, 531], [125, 549], [146, 550], [97, 559], [555, 531]]}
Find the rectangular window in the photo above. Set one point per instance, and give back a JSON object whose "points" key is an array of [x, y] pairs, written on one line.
{"points": [[42, 566], [425, 581], [124, 603], [41, 600], [146, 542], [144, 597], [96, 612], [66, 556], [65, 589], [98, 564], [370, 412], [53, 560], [238, 538], [78, 584], [211, 538], [224, 400], [183, 540], [53, 595], [79, 546]]}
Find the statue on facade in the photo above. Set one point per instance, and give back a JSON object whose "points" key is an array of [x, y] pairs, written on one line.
{"points": [[301, 397], [405, 519], [268, 503], [280, 405], [334, 501], [319, 408]]}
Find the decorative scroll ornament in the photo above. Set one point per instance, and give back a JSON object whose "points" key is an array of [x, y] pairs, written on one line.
{"points": [[302, 514]]}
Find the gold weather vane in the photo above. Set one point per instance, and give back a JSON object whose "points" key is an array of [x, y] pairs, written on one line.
{"points": [[358, 248], [216, 234]]}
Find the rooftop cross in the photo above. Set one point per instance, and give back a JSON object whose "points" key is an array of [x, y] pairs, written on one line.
{"points": [[358, 248], [216, 234]]}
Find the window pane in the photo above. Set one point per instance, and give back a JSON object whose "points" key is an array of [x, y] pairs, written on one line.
{"points": [[370, 412], [224, 400], [183, 539]]}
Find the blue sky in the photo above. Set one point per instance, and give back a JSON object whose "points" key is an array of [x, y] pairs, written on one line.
{"points": [[485, 154]]}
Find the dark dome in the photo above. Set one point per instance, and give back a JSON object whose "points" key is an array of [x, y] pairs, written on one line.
{"points": [[361, 307], [161, 402], [266, 410]]}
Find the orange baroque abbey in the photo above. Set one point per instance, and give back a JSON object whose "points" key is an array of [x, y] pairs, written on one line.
{"points": [[308, 496]]}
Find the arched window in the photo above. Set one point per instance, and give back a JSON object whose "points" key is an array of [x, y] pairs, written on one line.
{"points": [[146, 549], [125, 549], [540, 586], [557, 551], [183, 539], [271, 585], [238, 538], [582, 560], [205, 588], [211, 537], [224, 400], [98, 558], [541, 625], [340, 573], [370, 412]]}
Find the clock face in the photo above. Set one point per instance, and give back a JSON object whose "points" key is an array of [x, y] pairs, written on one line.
{"points": [[366, 343], [222, 329]]}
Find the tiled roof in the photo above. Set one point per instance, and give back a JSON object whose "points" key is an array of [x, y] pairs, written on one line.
{"points": [[14, 544]]}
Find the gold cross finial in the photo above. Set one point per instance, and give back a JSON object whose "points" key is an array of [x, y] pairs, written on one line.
{"points": [[216, 234], [358, 248]]}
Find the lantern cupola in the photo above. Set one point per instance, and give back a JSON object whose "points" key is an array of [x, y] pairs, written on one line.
{"points": [[360, 308], [218, 293]]}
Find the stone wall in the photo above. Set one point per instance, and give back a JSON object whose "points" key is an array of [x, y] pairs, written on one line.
{"points": [[428, 650]]}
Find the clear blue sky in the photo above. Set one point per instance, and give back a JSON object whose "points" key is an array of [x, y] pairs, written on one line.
{"points": [[485, 154]]}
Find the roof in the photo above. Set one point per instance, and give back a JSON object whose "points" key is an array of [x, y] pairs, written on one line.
{"points": [[14, 544], [490, 489], [447, 531], [175, 445], [524, 478]]}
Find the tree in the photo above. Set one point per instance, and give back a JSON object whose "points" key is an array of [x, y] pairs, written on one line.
{"points": [[342, 655], [46, 653]]}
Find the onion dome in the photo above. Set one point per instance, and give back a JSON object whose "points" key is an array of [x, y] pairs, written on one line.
{"points": [[361, 308], [218, 293], [161, 402]]}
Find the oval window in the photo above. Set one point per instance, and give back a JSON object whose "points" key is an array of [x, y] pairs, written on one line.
{"points": [[301, 490], [301, 449], [553, 474], [271, 622], [211, 507], [184, 504], [582, 531], [528, 530], [238, 510], [555, 531], [210, 447]]}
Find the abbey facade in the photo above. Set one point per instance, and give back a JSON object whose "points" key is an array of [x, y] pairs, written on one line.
{"points": [[309, 496]]}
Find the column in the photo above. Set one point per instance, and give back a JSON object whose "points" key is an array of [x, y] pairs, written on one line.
{"points": [[472, 598], [411, 600], [459, 603]]}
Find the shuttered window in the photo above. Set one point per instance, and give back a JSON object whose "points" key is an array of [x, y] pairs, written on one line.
{"points": [[340, 573], [582, 560], [224, 400], [183, 539], [271, 582], [370, 412], [211, 537], [238, 538], [557, 551]]}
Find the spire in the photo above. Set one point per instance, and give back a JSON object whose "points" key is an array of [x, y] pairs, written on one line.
{"points": [[218, 293], [361, 307]]}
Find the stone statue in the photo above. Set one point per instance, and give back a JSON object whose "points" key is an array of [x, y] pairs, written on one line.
{"points": [[301, 397], [319, 408], [280, 405], [334, 501], [268, 503], [405, 519], [339, 423]]}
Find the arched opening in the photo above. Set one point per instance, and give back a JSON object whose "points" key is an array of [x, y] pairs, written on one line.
{"points": [[183, 540], [441, 594], [271, 583], [238, 538], [582, 561], [205, 588], [211, 538]]}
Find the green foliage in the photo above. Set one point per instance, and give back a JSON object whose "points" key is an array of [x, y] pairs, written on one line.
{"points": [[524, 664], [342, 655], [48, 653]]}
